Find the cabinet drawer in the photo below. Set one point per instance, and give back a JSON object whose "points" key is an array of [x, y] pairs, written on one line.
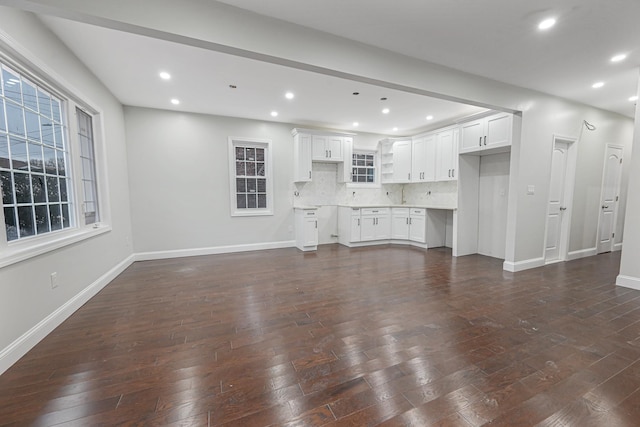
{"points": [[375, 211], [400, 211], [310, 213], [418, 212]]}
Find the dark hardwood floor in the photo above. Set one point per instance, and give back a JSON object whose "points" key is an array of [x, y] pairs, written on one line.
{"points": [[350, 337]]}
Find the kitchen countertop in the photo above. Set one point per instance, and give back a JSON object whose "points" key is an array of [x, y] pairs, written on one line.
{"points": [[359, 205]]}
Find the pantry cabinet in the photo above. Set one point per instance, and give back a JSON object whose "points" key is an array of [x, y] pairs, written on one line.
{"points": [[302, 157], [492, 134]]}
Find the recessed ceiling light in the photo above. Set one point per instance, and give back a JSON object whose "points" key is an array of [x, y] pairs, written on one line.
{"points": [[274, 114], [597, 85], [429, 117], [164, 75], [356, 124], [289, 95], [395, 129], [547, 23], [619, 57], [633, 98], [385, 111], [175, 101]]}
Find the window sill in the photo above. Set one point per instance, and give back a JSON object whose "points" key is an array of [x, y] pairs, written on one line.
{"points": [[252, 213], [371, 185], [22, 251]]}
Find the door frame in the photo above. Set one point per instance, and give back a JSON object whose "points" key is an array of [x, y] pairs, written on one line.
{"points": [[569, 185], [617, 206]]}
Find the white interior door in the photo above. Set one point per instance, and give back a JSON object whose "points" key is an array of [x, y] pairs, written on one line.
{"points": [[609, 198], [557, 206]]}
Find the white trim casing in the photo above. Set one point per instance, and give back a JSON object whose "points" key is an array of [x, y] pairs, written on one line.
{"points": [[214, 250], [28, 340], [628, 282], [527, 264], [582, 253], [234, 141]]}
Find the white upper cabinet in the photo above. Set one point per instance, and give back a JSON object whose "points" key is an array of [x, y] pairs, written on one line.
{"points": [[302, 157], [492, 133], [327, 148], [402, 161], [447, 155], [423, 159]]}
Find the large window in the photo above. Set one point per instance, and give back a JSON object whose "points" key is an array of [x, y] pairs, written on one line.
{"points": [[250, 167], [34, 168], [49, 175]]}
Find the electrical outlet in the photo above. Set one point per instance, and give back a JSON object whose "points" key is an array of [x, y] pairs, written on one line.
{"points": [[54, 280]]}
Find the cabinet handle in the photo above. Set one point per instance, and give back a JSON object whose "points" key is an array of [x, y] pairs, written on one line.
{"points": [[410, 221], [309, 174], [316, 223], [485, 140], [409, 176], [331, 156], [453, 173], [480, 142], [358, 222], [407, 221]]}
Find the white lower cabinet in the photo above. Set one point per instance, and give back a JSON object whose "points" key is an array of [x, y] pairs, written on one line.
{"points": [[375, 224], [409, 224], [418, 225], [306, 220], [400, 223], [358, 226]]}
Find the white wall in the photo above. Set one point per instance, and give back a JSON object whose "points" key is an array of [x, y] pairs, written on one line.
{"points": [[26, 297], [629, 266], [493, 187], [179, 181]]}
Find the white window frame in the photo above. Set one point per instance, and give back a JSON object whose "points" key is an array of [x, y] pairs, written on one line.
{"points": [[250, 142], [376, 175], [11, 252]]}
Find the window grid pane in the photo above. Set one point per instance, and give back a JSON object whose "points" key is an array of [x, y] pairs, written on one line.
{"points": [[32, 159], [251, 177], [363, 168], [87, 157]]}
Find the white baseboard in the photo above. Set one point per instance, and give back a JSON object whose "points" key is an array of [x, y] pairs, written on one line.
{"points": [[617, 247], [214, 250], [582, 253], [28, 340], [628, 282], [527, 264]]}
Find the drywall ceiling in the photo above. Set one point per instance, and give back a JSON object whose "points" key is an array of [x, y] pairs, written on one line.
{"points": [[129, 64], [497, 39]]}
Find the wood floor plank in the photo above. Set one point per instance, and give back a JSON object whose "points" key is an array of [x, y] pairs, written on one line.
{"points": [[381, 335]]}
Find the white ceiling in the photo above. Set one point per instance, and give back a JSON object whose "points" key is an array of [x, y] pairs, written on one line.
{"points": [[497, 39], [129, 64], [492, 38]]}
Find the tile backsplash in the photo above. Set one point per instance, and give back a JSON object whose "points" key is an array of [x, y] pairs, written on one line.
{"points": [[324, 190]]}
